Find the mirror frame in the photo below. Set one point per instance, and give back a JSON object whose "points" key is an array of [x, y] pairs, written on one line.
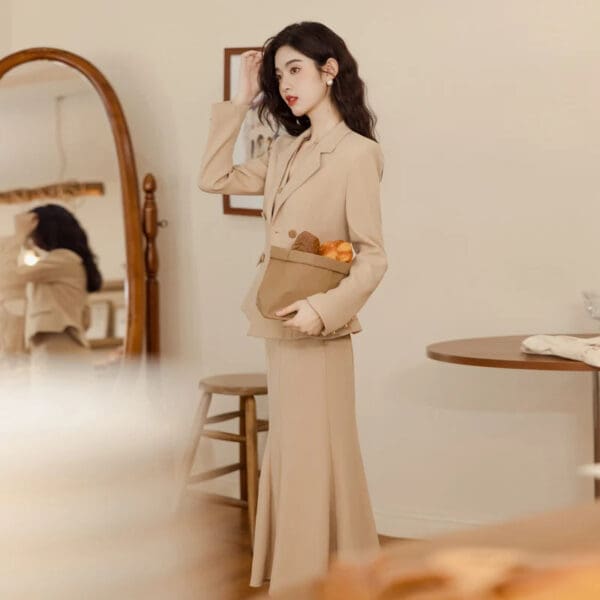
{"points": [[135, 290]]}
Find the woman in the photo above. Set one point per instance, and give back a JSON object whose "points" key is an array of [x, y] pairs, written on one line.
{"points": [[57, 284], [323, 177]]}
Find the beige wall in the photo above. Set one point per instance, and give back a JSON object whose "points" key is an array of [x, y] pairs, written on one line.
{"points": [[488, 117], [37, 128], [5, 26]]}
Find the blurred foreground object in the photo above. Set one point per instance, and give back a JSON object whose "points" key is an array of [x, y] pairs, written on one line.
{"points": [[89, 490], [550, 555], [467, 574]]}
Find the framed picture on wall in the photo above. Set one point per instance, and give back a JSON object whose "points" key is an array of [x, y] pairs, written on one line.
{"points": [[254, 138]]}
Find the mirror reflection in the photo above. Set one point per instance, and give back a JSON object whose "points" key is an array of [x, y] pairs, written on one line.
{"points": [[62, 246]]}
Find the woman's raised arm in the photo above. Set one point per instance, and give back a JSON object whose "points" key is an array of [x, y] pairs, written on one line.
{"points": [[218, 174]]}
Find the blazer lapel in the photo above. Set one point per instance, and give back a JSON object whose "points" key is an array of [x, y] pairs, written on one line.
{"points": [[306, 168]]}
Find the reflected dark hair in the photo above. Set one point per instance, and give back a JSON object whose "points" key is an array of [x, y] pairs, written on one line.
{"points": [[348, 92], [58, 228]]}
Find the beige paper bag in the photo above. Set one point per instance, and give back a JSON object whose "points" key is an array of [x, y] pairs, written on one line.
{"points": [[294, 275]]}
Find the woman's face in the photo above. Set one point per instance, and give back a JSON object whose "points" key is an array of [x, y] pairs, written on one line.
{"points": [[301, 84]]}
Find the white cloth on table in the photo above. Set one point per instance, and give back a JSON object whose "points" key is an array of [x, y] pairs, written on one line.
{"points": [[586, 350]]}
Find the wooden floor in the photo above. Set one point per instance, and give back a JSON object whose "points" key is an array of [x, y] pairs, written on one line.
{"points": [[225, 557]]}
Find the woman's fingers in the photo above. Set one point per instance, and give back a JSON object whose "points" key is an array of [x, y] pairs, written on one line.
{"points": [[289, 323], [253, 55], [292, 308], [287, 310], [25, 223], [249, 85]]}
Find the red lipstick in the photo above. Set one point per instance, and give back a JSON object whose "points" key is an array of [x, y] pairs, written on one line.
{"points": [[291, 100]]}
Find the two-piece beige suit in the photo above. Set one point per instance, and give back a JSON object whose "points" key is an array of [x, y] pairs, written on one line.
{"points": [[313, 497], [56, 297]]}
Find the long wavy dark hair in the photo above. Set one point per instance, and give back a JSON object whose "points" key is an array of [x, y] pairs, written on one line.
{"points": [[348, 91], [58, 228]]}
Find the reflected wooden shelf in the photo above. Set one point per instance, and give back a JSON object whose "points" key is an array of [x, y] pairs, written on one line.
{"points": [[109, 342], [112, 285]]}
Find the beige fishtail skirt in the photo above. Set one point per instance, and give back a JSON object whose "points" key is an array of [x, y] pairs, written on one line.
{"points": [[313, 500]]}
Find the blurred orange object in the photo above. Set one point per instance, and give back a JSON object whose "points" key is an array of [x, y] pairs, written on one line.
{"points": [[467, 574], [578, 581], [338, 250]]}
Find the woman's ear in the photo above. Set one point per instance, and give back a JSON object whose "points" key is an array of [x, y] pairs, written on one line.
{"points": [[330, 68]]}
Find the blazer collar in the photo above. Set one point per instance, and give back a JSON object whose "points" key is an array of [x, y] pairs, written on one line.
{"points": [[310, 164], [330, 140]]}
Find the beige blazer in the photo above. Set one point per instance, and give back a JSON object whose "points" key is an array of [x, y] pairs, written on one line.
{"points": [[12, 298], [333, 192], [55, 290]]}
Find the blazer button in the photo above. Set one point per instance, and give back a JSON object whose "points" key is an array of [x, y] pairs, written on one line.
{"points": [[292, 233]]}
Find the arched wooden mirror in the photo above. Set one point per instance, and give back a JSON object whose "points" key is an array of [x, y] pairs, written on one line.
{"points": [[65, 141]]}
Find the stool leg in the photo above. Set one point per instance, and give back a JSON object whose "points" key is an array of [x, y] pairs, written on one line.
{"points": [[243, 460], [251, 461], [197, 429]]}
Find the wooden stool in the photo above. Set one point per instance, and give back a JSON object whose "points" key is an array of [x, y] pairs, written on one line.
{"points": [[246, 386]]}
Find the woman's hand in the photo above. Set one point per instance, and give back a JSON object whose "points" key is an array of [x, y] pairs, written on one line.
{"points": [[25, 223], [248, 86], [306, 320]]}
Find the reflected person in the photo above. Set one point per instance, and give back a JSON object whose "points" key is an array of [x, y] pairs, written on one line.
{"points": [[57, 283]]}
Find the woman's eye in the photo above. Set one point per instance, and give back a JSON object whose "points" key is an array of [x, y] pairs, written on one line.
{"points": [[292, 70]]}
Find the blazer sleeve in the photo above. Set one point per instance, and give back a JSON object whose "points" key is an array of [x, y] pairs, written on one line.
{"points": [[12, 273], [218, 174], [10, 247], [46, 269], [336, 307]]}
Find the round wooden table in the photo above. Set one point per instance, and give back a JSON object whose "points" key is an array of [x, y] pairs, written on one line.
{"points": [[504, 352]]}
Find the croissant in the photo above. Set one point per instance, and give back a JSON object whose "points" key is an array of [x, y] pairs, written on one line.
{"points": [[338, 250]]}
